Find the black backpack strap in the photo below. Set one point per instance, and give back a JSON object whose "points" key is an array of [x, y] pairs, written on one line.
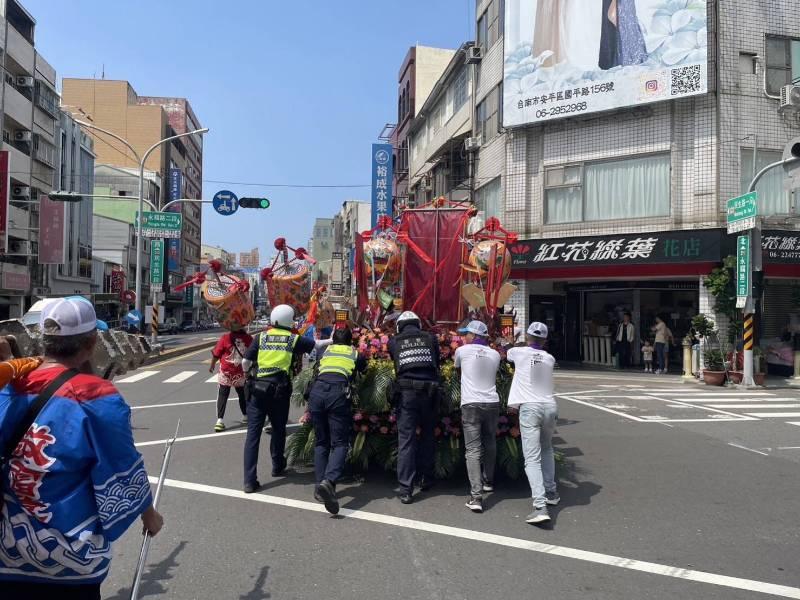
{"points": [[33, 411]]}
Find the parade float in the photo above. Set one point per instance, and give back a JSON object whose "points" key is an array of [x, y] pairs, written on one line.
{"points": [[227, 296], [429, 263]]}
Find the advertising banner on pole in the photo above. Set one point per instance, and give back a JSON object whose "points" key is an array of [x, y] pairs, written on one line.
{"points": [[5, 196], [382, 169], [174, 244], [52, 233], [569, 57]]}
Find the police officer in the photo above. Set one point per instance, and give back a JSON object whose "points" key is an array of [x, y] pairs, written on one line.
{"points": [[416, 363], [272, 352], [330, 405]]}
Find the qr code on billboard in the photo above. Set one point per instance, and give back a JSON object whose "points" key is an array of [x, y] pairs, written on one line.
{"points": [[686, 80]]}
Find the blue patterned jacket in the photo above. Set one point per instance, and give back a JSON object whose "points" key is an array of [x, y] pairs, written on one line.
{"points": [[75, 483]]}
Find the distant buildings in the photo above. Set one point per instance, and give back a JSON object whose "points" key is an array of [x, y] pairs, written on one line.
{"points": [[249, 260], [209, 253], [320, 246], [175, 169], [354, 218]]}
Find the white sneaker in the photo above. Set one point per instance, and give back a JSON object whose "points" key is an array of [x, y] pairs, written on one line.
{"points": [[220, 426]]}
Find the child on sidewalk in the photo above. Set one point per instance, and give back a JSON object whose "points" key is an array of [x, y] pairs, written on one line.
{"points": [[647, 355]]}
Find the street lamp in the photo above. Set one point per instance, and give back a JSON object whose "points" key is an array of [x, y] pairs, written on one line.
{"points": [[142, 161]]}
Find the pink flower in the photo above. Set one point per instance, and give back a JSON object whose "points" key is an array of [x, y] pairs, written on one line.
{"points": [[392, 419], [373, 418], [365, 428], [358, 416], [384, 430], [514, 432]]}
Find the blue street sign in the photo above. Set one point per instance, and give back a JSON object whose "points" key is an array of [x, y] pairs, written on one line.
{"points": [[381, 181], [225, 203]]}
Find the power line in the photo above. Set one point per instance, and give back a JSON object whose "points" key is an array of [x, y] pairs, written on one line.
{"points": [[287, 185]]}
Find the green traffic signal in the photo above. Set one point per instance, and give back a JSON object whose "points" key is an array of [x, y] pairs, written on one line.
{"points": [[253, 203]]}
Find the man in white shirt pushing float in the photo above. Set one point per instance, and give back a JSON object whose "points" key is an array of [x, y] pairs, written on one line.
{"points": [[532, 393], [480, 409]]}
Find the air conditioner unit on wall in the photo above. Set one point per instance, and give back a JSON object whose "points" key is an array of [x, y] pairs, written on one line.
{"points": [[790, 97], [474, 55], [19, 247], [471, 144], [24, 81], [20, 191], [22, 135]]}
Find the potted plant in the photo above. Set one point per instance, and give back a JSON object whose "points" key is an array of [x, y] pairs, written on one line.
{"points": [[714, 373]]}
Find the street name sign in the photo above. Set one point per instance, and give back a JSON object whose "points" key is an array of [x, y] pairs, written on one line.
{"points": [[742, 270], [742, 213], [225, 203], [161, 224], [157, 262]]}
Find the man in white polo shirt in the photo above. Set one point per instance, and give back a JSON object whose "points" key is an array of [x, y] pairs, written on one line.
{"points": [[532, 393], [480, 409]]}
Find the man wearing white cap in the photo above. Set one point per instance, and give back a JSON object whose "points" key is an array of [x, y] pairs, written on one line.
{"points": [[532, 393], [480, 409], [73, 479]]}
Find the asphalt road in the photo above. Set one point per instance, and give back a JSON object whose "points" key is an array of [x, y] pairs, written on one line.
{"points": [[660, 499]]}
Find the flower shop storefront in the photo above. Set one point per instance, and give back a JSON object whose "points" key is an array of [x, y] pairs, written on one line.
{"points": [[581, 287]]}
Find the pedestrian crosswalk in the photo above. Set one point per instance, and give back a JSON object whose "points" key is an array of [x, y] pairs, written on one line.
{"points": [[685, 403], [180, 377]]}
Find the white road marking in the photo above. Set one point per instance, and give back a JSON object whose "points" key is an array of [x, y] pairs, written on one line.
{"points": [[712, 394], [603, 408], [212, 379], [180, 377], [203, 436], [788, 447], [137, 377], [192, 437], [728, 399], [748, 449], [795, 405], [507, 541], [175, 404], [793, 422], [779, 415]]}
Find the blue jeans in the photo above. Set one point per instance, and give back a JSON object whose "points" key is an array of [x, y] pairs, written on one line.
{"points": [[329, 405], [537, 422], [661, 351]]}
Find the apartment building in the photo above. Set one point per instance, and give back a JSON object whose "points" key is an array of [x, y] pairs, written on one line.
{"points": [[617, 186], [143, 121], [209, 253], [320, 246], [75, 174], [354, 218], [419, 72], [249, 260], [29, 114]]}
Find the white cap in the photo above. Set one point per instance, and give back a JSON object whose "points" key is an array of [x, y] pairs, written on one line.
{"points": [[538, 330], [476, 327], [74, 316]]}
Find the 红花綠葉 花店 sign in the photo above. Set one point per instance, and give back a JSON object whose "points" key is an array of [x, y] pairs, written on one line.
{"points": [[626, 249]]}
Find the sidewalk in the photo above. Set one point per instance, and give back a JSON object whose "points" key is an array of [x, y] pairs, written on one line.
{"points": [[567, 370]]}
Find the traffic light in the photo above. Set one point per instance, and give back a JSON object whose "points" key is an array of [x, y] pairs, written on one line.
{"points": [[65, 197], [253, 203]]}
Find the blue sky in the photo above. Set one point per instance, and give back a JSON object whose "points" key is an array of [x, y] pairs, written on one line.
{"points": [[293, 92]]}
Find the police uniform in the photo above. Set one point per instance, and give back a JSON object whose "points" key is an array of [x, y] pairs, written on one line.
{"points": [[416, 362], [329, 402], [272, 353]]}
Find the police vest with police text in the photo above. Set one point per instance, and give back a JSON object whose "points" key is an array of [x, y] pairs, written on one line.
{"points": [[414, 350], [338, 359], [275, 351]]}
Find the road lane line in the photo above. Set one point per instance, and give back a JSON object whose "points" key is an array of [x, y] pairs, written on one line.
{"points": [[203, 436], [507, 541], [713, 394], [603, 408], [778, 415], [793, 422], [183, 357], [795, 405], [180, 377], [212, 379], [137, 377], [748, 449], [728, 399], [175, 404]]}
